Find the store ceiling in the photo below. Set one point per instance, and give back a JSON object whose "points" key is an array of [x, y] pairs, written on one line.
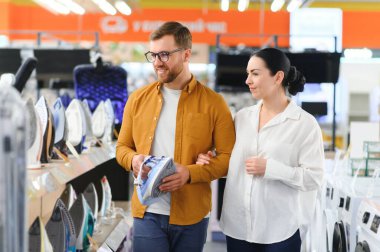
{"points": [[138, 5]]}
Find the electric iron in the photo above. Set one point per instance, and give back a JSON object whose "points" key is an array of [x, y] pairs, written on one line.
{"points": [[76, 124], [83, 221], [87, 113], [92, 199], [34, 139], [60, 129], [47, 124], [69, 226], [106, 196], [38, 238], [56, 231], [110, 125], [68, 196], [99, 120], [148, 189]]}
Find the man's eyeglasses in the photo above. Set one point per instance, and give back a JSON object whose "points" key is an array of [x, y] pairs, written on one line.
{"points": [[162, 56]]}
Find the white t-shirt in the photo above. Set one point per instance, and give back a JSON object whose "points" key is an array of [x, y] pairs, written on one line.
{"points": [[268, 209], [164, 141]]}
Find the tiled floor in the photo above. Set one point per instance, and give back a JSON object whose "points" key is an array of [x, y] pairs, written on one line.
{"points": [[212, 246]]}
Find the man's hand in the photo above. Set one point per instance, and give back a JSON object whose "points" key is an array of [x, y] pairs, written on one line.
{"points": [[136, 163], [177, 180], [256, 166]]}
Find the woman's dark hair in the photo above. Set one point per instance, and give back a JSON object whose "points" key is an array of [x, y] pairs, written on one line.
{"points": [[275, 61]]}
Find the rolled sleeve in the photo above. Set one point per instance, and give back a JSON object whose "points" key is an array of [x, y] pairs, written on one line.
{"points": [[278, 171]]}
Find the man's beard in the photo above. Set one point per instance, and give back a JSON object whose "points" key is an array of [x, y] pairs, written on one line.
{"points": [[170, 76]]}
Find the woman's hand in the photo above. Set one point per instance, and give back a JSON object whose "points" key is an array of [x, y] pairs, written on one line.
{"points": [[204, 158], [255, 166]]}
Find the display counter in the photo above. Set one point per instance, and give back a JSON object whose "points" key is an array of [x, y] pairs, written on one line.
{"points": [[46, 184]]}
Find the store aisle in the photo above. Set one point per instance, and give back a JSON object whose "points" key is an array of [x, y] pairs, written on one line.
{"points": [[212, 246]]}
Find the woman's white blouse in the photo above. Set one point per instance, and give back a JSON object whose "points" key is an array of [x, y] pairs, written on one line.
{"points": [[267, 209]]}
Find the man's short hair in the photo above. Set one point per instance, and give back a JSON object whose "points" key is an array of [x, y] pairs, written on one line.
{"points": [[182, 35]]}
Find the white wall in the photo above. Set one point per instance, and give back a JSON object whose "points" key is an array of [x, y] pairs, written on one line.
{"points": [[361, 76]]}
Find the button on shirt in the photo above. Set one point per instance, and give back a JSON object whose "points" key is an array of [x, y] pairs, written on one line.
{"points": [[164, 140], [267, 209]]}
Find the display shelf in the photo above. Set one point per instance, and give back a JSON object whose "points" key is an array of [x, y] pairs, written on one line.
{"points": [[111, 235], [58, 172], [46, 184], [111, 232]]}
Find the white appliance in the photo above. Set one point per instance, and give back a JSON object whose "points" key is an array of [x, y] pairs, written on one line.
{"points": [[331, 204], [34, 139], [76, 123], [61, 130], [68, 196], [87, 114], [83, 219], [350, 192], [99, 120], [356, 190], [339, 243], [91, 197], [106, 197], [368, 218], [110, 115], [46, 119], [330, 217]]}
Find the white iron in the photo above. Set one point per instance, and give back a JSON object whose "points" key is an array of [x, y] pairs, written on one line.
{"points": [[87, 114], [68, 196], [34, 145], [99, 120], [106, 196], [110, 115], [60, 127], [76, 123], [47, 124]]}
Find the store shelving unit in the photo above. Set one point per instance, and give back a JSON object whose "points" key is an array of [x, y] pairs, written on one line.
{"points": [[111, 233], [46, 184]]}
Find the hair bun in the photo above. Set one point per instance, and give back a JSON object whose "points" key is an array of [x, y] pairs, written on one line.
{"points": [[296, 81]]}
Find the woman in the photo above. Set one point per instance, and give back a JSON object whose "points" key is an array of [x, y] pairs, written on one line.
{"points": [[278, 154]]}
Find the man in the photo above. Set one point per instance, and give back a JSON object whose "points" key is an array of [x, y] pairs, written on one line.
{"points": [[176, 117]]}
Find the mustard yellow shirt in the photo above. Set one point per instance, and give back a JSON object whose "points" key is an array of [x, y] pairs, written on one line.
{"points": [[203, 122]]}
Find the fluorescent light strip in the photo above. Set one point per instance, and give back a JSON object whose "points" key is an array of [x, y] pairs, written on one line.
{"points": [[73, 6], [294, 5], [243, 5], [224, 5], [105, 6], [53, 6], [277, 5], [123, 7]]}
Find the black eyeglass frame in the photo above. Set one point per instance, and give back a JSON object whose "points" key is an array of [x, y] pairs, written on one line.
{"points": [[165, 54]]}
